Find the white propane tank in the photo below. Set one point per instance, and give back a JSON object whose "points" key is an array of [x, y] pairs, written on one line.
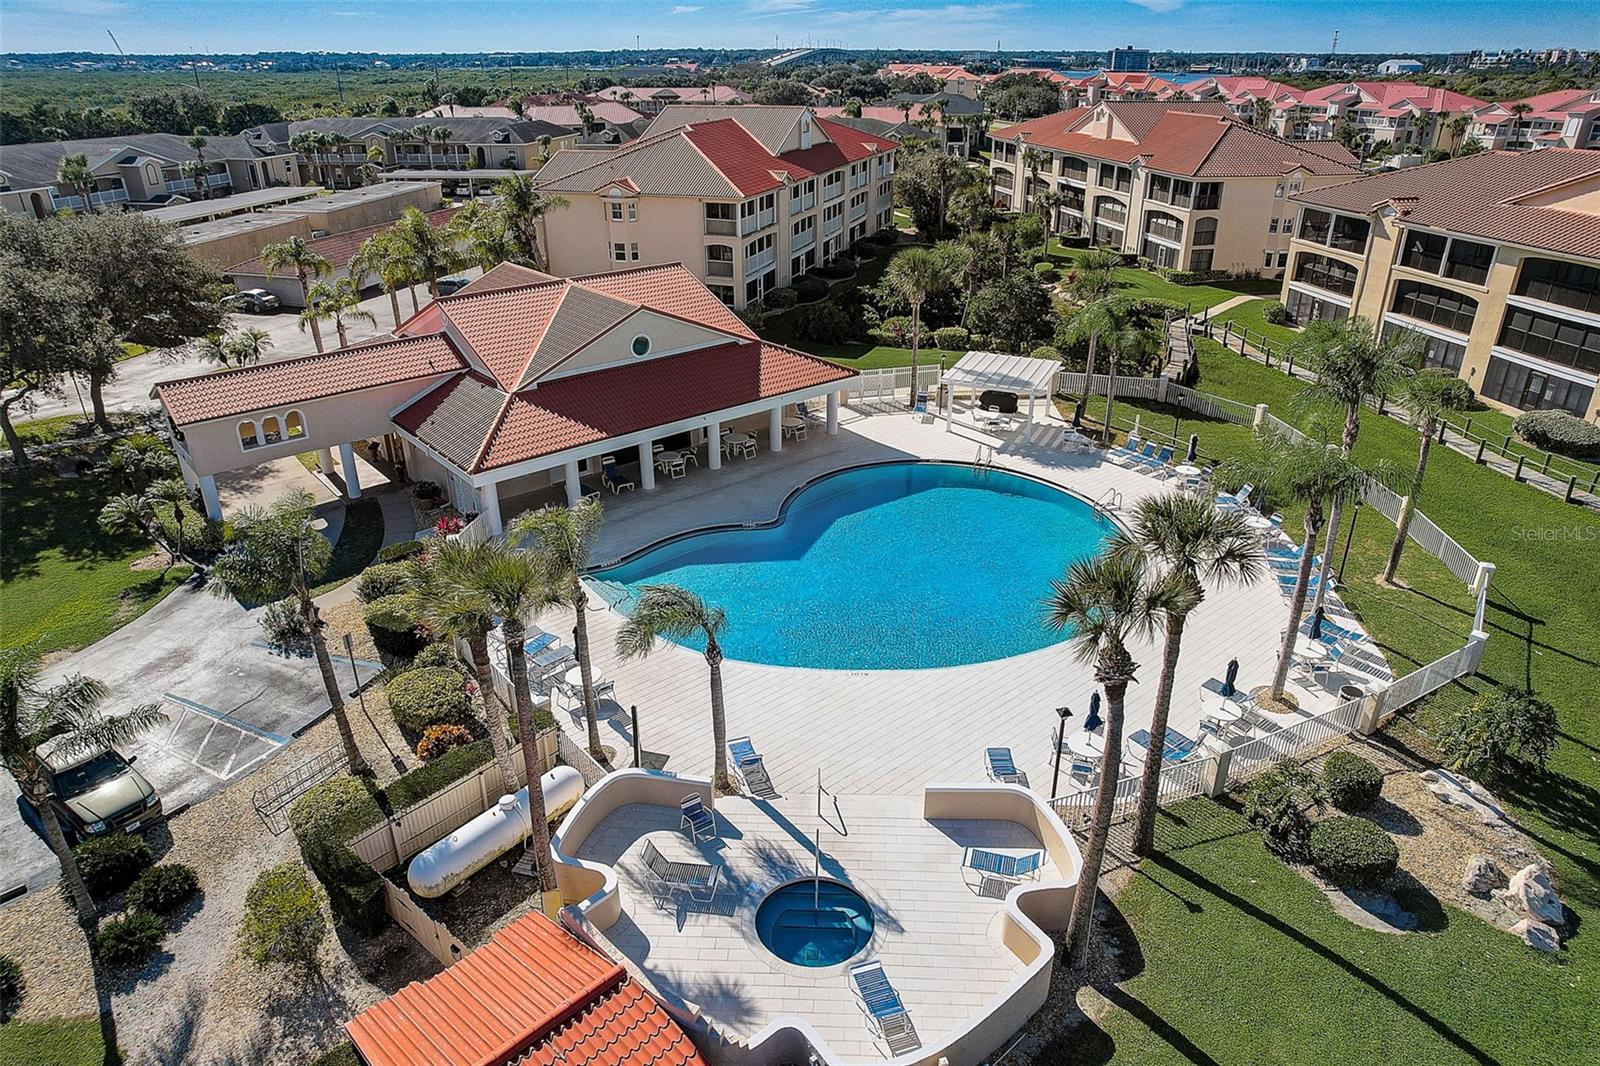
{"points": [[491, 834]]}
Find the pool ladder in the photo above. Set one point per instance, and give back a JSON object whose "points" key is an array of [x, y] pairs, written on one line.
{"points": [[1108, 501], [983, 462]]}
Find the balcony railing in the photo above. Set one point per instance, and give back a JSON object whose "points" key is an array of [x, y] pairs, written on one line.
{"points": [[107, 197], [858, 212], [755, 264], [721, 227], [447, 159], [833, 226], [803, 241], [756, 223], [858, 180], [719, 268], [832, 192], [798, 205]]}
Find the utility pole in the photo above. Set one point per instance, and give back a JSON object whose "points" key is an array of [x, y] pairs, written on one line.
{"points": [[338, 76], [1333, 55]]}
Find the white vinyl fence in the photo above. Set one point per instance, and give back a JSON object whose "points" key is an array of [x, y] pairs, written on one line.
{"points": [[881, 386]]}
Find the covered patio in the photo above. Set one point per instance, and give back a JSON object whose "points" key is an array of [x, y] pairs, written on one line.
{"points": [[979, 372]]}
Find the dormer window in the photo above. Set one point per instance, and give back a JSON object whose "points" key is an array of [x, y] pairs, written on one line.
{"points": [[805, 130], [641, 346]]}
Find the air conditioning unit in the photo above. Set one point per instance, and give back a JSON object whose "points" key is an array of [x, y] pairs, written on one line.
{"points": [[500, 136]]}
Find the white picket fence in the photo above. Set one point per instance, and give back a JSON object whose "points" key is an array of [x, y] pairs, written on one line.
{"points": [[887, 385]]}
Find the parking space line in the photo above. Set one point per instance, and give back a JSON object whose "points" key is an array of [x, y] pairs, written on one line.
{"points": [[223, 716]]}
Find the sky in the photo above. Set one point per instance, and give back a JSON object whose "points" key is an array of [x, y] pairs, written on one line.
{"points": [[234, 26]]}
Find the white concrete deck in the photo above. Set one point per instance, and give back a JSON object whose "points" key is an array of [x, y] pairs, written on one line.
{"points": [[874, 733], [937, 938]]}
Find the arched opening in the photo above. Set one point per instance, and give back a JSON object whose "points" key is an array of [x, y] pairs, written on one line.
{"points": [[39, 209], [294, 424], [247, 435]]}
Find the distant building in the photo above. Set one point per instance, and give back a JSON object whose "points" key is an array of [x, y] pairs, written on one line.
{"points": [[385, 143], [649, 99], [1400, 113], [1568, 118], [952, 79], [1400, 66], [1308, 63], [1129, 58]]}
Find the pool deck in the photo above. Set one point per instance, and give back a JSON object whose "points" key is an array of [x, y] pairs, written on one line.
{"points": [[938, 939], [876, 733]]}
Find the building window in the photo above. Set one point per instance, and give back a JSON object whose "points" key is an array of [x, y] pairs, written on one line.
{"points": [[721, 219], [625, 212], [1208, 196], [1569, 284], [641, 345], [624, 253], [271, 430], [1429, 303], [1272, 226], [1162, 255], [1334, 275], [1559, 340], [1074, 168], [1436, 351], [247, 435], [1533, 390], [294, 424], [757, 246], [1277, 191], [1201, 258], [1303, 308], [1205, 231], [1163, 226], [1283, 260], [723, 293], [1115, 177], [1336, 231], [719, 261], [1448, 257]]}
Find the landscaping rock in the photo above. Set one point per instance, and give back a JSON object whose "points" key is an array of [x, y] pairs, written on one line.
{"points": [[1456, 791], [1537, 935], [1482, 876], [1531, 894]]}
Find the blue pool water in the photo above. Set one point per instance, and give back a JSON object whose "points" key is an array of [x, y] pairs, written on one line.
{"points": [[887, 567], [814, 925]]}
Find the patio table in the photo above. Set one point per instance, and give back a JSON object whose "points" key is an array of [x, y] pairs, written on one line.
{"points": [[1259, 523], [1186, 470], [1086, 745], [794, 427], [1310, 650], [665, 459]]}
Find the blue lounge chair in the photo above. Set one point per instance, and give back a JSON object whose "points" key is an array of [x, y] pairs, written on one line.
{"points": [[1162, 458], [1176, 749], [1002, 767], [1009, 869], [1123, 454], [699, 821], [920, 408], [614, 479], [1287, 582], [1228, 501], [886, 1014], [535, 644], [748, 765]]}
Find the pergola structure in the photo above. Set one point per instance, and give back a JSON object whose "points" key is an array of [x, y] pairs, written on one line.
{"points": [[979, 372]]}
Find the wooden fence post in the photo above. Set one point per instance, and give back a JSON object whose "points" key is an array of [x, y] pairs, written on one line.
{"points": [[1481, 445], [1572, 483], [1518, 475]]}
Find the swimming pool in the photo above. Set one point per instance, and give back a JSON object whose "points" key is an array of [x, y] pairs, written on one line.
{"points": [[886, 567], [814, 923]]}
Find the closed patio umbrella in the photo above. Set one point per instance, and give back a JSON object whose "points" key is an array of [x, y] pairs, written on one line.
{"points": [[1093, 720], [1231, 677], [1316, 623], [1194, 449]]}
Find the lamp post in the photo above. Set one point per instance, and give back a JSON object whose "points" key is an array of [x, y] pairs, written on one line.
{"points": [[1061, 740], [638, 747], [1348, 537]]}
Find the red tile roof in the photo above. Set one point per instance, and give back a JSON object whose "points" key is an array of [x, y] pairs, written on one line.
{"points": [[587, 408], [1482, 195], [339, 248], [532, 994], [229, 393], [1390, 93], [671, 289], [739, 156]]}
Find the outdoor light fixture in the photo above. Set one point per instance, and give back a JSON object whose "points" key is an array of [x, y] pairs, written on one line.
{"points": [[1061, 740]]}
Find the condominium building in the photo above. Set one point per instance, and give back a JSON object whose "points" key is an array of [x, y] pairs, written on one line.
{"points": [[1400, 113], [138, 170], [1568, 117], [1493, 259], [1185, 185], [747, 197], [952, 79], [650, 99], [348, 145]]}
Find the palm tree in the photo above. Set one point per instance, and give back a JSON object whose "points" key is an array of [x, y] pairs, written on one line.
{"points": [[562, 539], [73, 173], [277, 552], [307, 264], [243, 348], [678, 614], [135, 513], [1032, 158], [915, 275], [68, 716], [1426, 395], [1261, 111], [1352, 363], [441, 136], [1306, 471], [449, 589], [514, 585], [174, 493], [1046, 204], [1105, 602], [198, 142], [484, 232], [304, 144], [1093, 281], [339, 301], [424, 133], [1128, 340], [523, 206], [1458, 128], [1187, 537], [431, 253], [1518, 111], [385, 258]]}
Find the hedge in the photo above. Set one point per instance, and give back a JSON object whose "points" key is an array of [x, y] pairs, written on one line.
{"points": [[810, 288], [1353, 851], [429, 778], [433, 695], [952, 338], [283, 917], [440, 653], [405, 549], [163, 889], [110, 863], [782, 298], [381, 580], [1559, 432], [324, 820], [1352, 783], [202, 537], [392, 621], [1047, 351], [129, 940], [1276, 313]]}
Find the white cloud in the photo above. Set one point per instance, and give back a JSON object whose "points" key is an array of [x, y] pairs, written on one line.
{"points": [[776, 7], [1160, 7], [684, 9]]}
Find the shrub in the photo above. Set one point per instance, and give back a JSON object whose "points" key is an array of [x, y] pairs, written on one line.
{"points": [[754, 315], [894, 331], [1559, 432], [429, 778], [438, 739], [427, 490], [405, 549], [433, 695], [202, 538], [782, 298], [1276, 313], [392, 621], [163, 889], [1046, 271], [808, 287], [1353, 851], [1498, 732], [449, 525], [825, 322], [1352, 783], [323, 821], [836, 270], [283, 919], [979, 342], [343, 1055], [437, 654], [887, 237], [1047, 351], [952, 338], [380, 580], [1276, 804], [285, 627], [110, 863], [10, 986], [129, 940]]}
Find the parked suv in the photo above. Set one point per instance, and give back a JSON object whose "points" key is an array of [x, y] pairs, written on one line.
{"points": [[98, 791], [255, 301]]}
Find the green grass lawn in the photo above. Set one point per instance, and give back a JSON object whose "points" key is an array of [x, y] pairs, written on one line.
{"points": [[1139, 284], [1242, 961], [1249, 316], [60, 428], [62, 1042], [64, 583], [358, 543]]}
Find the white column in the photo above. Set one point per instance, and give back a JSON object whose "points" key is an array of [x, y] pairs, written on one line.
{"points": [[714, 445], [574, 489], [208, 493], [833, 414], [189, 479], [325, 461], [647, 467], [1031, 398], [489, 501], [775, 428], [347, 466]]}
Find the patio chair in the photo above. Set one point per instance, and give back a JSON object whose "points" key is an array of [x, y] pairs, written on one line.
{"points": [[1240, 500], [1161, 464], [1210, 727], [697, 880], [1002, 767], [1084, 771], [747, 447], [998, 871], [920, 408], [886, 1014], [697, 819], [613, 477], [1123, 454], [747, 763], [802, 409], [538, 642]]}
